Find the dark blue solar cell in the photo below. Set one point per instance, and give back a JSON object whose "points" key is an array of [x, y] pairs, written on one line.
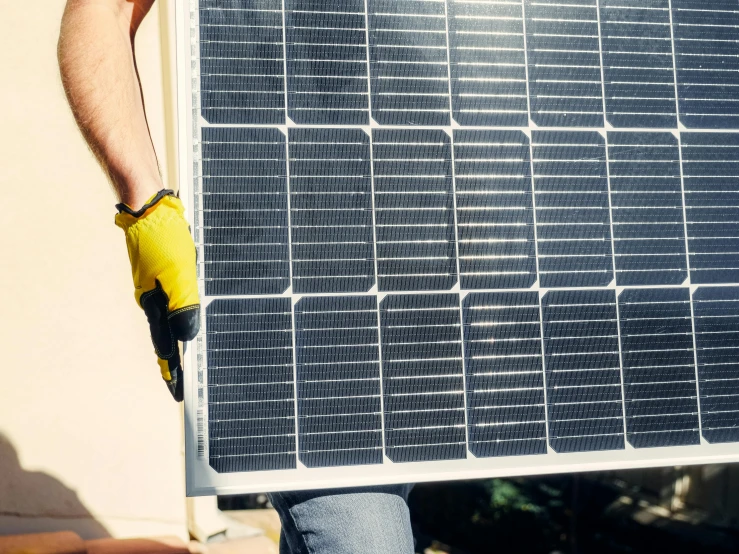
{"points": [[495, 217], [716, 313], [647, 209], [244, 204], [564, 63], [710, 176], [408, 62], [572, 213], [658, 360], [251, 387], [504, 374], [583, 373], [327, 62], [338, 375], [331, 210], [638, 72], [242, 62], [707, 62], [488, 63], [414, 210], [422, 377]]}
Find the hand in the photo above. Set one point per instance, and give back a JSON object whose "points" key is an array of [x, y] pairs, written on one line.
{"points": [[163, 261]]}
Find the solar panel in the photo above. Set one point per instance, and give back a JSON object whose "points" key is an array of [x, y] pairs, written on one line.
{"points": [[444, 239]]}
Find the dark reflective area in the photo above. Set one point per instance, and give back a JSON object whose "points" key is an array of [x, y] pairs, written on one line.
{"points": [[495, 219], [505, 379], [414, 209], [327, 62], [423, 386], [251, 386], [338, 372], [660, 394], [244, 206], [638, 72], [647, 209], [608, 513], [331, 210], [583, 371], [707, 62], [242, 62]]}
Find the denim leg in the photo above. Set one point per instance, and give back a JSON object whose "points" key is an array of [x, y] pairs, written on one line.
{"points": [[366, 520]]}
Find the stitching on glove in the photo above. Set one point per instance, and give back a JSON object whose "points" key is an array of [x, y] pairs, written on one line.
{"points": [[185, 309]]}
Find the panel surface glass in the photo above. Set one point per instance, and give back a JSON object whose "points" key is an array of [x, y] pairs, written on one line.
{"points": [[442, 239]]}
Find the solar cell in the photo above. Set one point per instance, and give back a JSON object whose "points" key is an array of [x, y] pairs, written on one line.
{"points": [[414, 209], [638, 68], [244, 206], [422, 376], [331, 210], [251, 386], [716, 312], [565, 81], [573, 223], [494, 209], [710, 164], [583, 371], [409, 62], [505, 379], [647, 209], [487, 61], [327, 62], [242, 58], [658, 358], [707, 62], [338, 376]]}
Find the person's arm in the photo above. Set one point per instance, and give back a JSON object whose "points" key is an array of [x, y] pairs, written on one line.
{"points": [[98, 69]]}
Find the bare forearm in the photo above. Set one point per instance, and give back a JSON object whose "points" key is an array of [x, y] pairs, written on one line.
{"points": [[98, 69]]}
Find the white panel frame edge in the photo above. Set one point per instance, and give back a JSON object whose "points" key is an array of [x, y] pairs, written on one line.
{"points": [[201, 479]]}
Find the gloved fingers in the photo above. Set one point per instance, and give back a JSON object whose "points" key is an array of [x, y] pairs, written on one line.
{"points": [[154, 303], [172, 374], [166, 329]]}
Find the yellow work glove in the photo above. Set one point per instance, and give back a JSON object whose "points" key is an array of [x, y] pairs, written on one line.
{"points": [[163, 259]]}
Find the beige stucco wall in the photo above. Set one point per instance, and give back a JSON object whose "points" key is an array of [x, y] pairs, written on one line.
{"points": [[92, 439]]}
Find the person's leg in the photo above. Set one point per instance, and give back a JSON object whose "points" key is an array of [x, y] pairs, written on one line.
{"points": [[367, 520]]}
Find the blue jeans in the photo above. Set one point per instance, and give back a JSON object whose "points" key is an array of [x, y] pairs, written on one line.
{"points": [[367, 520]]}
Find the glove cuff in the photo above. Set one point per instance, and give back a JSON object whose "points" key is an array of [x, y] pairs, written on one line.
{"points": [[125, 208]]}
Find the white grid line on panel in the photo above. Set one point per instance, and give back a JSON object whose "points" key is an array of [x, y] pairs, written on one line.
{"points": [[691, 289], [615, 278], [540, 294], [674, 77], [456, 231], [290, 246], [528, 108], [374, 234]]}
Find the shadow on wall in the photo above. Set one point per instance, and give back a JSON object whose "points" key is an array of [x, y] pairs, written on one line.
{"points": [[35, 502]]}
